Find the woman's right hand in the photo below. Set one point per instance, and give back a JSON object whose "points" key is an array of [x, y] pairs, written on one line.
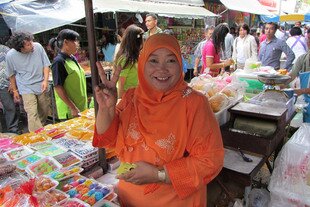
{"points": [[229, 62], [106, 92]]}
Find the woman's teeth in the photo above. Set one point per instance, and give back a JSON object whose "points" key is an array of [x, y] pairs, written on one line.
{"points": [[162, 79]]}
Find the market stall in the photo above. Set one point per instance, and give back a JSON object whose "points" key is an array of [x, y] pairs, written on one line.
{"points": [[50, 163]]}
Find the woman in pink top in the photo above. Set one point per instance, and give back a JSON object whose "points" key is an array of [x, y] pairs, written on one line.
{"points": [[211, 51]]}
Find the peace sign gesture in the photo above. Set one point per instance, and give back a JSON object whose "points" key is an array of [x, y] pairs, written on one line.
{"points": [[106, 92]]}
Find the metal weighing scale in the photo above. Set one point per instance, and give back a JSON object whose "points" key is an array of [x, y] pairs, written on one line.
{"points": [[257, 128]]}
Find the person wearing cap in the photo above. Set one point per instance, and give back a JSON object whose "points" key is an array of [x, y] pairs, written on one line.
{"points": [[174, 151], [198, 52], [151, 25]]}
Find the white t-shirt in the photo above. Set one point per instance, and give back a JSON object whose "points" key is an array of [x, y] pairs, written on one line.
{"points": [[298, 49], [240, 52]]}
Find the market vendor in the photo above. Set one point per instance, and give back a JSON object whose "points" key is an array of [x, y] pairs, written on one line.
{"points": [[68, 76], [211, 52], [176, 150], [301, 68]]}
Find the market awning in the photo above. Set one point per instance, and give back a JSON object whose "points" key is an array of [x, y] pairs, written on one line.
{"points": [[36, 16], [161, 9], [287, 18], [249, 6]]}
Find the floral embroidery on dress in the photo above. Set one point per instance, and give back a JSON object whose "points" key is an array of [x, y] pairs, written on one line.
{"points": [[186, 92], [144, 146], [133, 130], [167, 143], [157, 160]]}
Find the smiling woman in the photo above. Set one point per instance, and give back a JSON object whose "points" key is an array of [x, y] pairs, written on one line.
{"points": [[163, 128]]}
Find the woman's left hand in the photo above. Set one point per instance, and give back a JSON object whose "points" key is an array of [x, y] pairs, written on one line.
{"points": [[144, 173]]}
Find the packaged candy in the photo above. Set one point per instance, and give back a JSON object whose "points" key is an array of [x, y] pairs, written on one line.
{"points": [[41, 145], [68, 143], [90, 191], [125, 167], [23, 163], [66, 173], [52, 151], [73, 202], [86, 152], [68, 159], [44, 166], [17, 153], [44, 183], [59, 195]]}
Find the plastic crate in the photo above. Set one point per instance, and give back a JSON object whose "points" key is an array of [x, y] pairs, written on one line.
{"points": [[255, 86]]}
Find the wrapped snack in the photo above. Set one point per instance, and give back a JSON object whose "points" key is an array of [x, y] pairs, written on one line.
{"points": [[44, 183], [5, 194], [125, 167], [218, 102]]}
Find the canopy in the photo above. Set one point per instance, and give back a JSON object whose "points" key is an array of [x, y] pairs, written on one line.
{"points": [[249, 6], [287, 18], [36, 16], [161, 9]]}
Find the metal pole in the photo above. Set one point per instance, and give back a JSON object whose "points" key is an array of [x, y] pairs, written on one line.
{"points": [[280, 8], [94, 72]]}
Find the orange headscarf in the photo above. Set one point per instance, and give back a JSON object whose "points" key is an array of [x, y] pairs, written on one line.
{"points": [[157, 111]]}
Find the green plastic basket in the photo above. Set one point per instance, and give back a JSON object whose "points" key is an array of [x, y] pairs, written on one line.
{"points": [[255, 86]]}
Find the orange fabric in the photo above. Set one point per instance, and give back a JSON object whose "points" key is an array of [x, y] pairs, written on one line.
{"points": [[159, 128]]}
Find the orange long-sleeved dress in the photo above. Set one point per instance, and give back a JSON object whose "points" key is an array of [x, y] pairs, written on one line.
{"points": [[191, 162]]}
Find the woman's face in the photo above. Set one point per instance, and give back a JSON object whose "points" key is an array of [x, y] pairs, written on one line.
{"points": [[162, 69], [242, 32], [72, 46]]}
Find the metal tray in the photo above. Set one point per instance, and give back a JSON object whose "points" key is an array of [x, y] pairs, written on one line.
{"points": [[273, 79]]}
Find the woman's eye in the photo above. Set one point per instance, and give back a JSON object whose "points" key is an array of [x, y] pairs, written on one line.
{"points": [[172, 60], [153, 60]]}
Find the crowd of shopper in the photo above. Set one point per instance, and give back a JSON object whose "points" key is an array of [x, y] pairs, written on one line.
{"points": [[176, 150]]}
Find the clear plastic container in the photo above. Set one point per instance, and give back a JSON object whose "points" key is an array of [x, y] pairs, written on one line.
{"points": [[68, 143], [44, 166], [86, 152], [59, 195], [66, 173], [91, 192], [41, 145], [24, 162], [52, 151], [45, 183], [72, 202], [68, 159], [18, 153]]}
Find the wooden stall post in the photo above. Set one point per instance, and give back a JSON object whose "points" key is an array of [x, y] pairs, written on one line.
{"points": [[94, 71]]}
